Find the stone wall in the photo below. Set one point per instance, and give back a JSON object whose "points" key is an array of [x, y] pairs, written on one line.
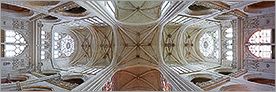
{"points": [[21, 62], [251, 25]]}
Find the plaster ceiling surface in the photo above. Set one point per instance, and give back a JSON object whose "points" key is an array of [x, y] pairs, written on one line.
{"points": [[138, 11], [96, 41], [138, 44], [169, 38], [137, 78]]}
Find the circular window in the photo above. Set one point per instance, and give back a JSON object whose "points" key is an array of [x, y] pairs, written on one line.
{"points": [[63, 45], [67, 46], [206, 44]]}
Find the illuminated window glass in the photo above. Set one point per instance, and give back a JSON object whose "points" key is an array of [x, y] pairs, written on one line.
{"points": [[63, 45], [67, 45], [206, 44], [263, 51], [13, 43], [43, 45], [229, 44], [263, 36], [260, 43]]}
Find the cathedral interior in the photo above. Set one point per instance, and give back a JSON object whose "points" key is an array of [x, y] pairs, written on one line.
{"points": [[137, 45]]}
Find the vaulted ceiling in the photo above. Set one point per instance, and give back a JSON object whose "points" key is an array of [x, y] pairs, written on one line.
{"points": [[136, 26], [137, 78], [137, 11], [136, 33]]}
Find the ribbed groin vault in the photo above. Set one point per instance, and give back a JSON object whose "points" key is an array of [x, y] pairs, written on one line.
{"points": [[137, 45]]}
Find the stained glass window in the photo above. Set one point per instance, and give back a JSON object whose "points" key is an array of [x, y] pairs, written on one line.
{"points": [[67, 45], [63, 45], [13, 43], [206, 43], [229, 44], [216, 45], [263, 36], [263, 51], [260, 43], [44, 42]]}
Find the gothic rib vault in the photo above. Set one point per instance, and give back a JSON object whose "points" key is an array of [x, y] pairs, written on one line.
{"points": [[128, 45]]}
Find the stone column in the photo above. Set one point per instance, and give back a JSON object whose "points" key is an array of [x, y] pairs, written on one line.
{"points": [[240, 44], [96, 83], [178, 83], [34, 44]]}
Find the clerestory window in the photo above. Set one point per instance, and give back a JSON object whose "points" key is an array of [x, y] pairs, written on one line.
{"points": [[12, 43], [262, 44]]}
